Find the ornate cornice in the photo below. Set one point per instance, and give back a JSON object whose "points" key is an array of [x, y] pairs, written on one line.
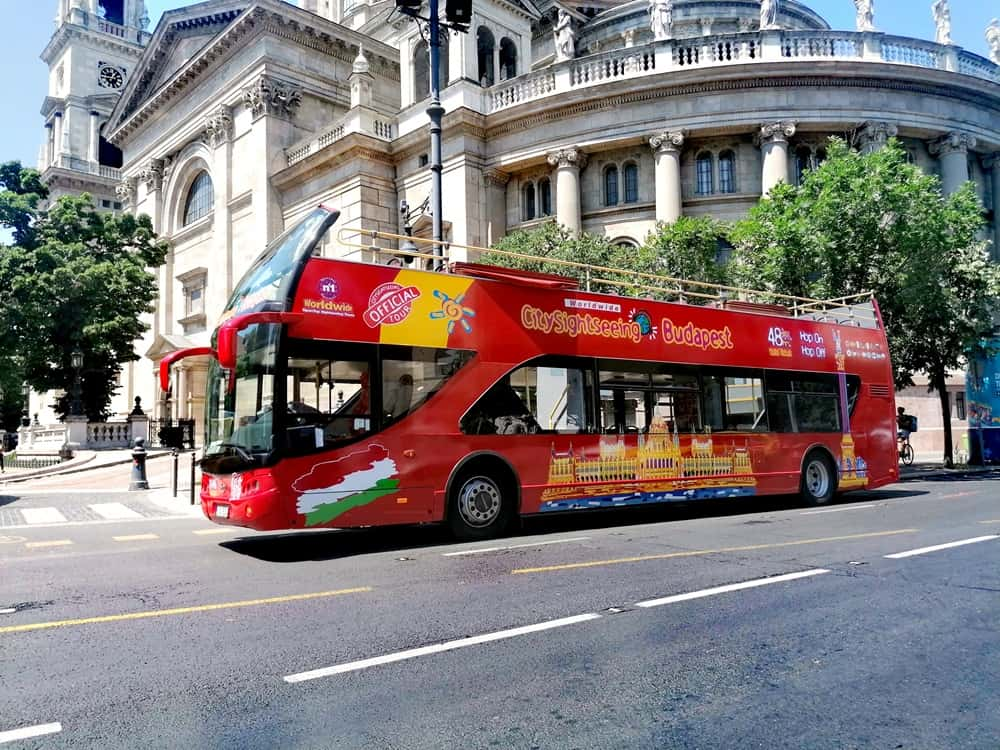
{"points": [[776, 132], [666, 91], [876, 133], [271, 96], [219, 126], [567, 157], [951, 143], [669, 141]]}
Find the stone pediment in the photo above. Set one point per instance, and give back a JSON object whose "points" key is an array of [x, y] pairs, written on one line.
{"points": [[165, 343], [179, 36]]}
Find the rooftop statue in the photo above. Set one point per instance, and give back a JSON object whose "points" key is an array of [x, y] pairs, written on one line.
{"points": [[865, 20], [942, 21], [768, 14], [565, 37], [993, 39], [661, 18]]}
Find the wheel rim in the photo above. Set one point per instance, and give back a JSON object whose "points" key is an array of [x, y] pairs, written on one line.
{"points": [[817, 478], [479, 502]]}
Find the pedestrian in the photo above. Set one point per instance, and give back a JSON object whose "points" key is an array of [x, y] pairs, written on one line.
{"points": [[2, 438]]}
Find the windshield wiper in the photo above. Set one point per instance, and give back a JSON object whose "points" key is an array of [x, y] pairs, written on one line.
{"points": [[240, 450]]}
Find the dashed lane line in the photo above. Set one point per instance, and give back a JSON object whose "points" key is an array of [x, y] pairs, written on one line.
{"points": [[731, 587], [223, 530], [181, 610], [26, 733], [135, 537], [514, 546], [938, 547], [49, 543], [837, 510], [698, 552], [992, 520], [99, 522], [354, 666]]}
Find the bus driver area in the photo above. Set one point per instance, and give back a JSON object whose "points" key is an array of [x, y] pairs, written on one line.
{"points": [[348, 394]]}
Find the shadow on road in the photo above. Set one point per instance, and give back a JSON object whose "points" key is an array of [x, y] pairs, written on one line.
{"points": [[335, 544], [8, 499]]}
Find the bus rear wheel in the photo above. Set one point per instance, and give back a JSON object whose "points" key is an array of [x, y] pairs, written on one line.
{"points": [[819, 479], [480, 506]]}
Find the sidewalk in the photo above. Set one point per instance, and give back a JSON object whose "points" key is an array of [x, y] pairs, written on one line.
{"points": [[83, 460], [926, 469]]}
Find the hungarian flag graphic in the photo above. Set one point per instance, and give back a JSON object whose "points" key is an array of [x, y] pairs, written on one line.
{"points": [[331, 488]]}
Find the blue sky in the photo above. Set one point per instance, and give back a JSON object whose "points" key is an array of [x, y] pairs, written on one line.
{"points": [[24, 78]]}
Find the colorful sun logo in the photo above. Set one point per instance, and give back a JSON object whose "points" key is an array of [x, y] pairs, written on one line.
{"points": [[453, 311], [645, 322]]}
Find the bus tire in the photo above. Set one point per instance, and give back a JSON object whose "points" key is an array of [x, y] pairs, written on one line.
{"points": [[481, 504], [819, 478]]}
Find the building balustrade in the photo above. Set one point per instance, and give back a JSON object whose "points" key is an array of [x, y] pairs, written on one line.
{"points": [[728, 49], [64, 161], [358, 120]]}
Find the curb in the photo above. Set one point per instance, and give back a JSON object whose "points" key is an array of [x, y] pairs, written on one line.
{"points": [[943, 472], [81, 467]]}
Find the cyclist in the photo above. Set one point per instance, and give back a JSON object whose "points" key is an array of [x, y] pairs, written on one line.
{"points": [[904, 423]]}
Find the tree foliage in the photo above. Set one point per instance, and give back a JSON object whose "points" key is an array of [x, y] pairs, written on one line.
{"points": [[75, 278], [873, 222], [685, 249]]}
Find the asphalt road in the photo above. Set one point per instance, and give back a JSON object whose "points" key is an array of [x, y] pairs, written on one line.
{"points": [[722, 625]]}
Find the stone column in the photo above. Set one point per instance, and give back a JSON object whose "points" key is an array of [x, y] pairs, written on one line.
{"points": [[219, 136], [952, 150], [875, 134], [568, 163], [94, 154], [667, 148], [58, 138], [992, 163], [774, 146], [49, 147], [496, 204], [181, 393]]}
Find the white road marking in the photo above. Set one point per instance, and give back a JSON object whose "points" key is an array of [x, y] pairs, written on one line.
{"points": [[114, 511], [514, 546], [731, 587], [936, 547], [42, 515], [135, 537], [8, 611], [52, 543], [97, 522], [224, 530], [837, 510], [25, 733], [437, 648]]}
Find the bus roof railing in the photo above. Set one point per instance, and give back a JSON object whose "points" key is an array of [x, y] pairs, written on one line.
{"points": [[853, 309]]}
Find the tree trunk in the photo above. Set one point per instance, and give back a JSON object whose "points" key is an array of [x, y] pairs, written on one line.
{"points": [[939, 384]]}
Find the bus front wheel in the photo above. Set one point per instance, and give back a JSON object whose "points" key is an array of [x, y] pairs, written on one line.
{"points": [[819, 479], [480, 506]]}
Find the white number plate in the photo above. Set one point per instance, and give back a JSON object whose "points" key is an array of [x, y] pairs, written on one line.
{"points": [[222, 511]]}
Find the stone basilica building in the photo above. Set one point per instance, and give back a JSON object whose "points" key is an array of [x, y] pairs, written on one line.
{"points": [[232, 118]]}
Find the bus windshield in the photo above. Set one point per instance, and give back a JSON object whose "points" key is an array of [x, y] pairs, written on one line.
{"points": [[240, 402]]}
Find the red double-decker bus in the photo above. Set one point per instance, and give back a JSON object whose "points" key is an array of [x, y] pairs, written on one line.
{"points": [[345, 394]]}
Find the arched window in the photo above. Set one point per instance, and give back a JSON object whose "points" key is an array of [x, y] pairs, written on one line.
{"points": [[485, 44], [528, 201], [630, 175], [703, 173], [545, 196], [508, 59], [200, 199], [803, 163], [421, 72], [727, 172], [611, 186]]}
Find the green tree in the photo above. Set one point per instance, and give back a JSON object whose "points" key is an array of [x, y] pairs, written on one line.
{"points": [[684, 249], [552, 241], [75, 278], [873, 222]]}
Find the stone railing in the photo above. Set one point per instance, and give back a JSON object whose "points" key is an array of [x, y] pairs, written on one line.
{"points": [[48, 438], [108, 434], [358, 120], [64, 161], [732, 49], [114, 29]]}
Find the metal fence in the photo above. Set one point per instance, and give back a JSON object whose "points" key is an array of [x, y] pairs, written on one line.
{"points": [[13, 461]]}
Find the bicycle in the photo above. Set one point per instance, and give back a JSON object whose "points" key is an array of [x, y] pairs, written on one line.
{"points": [[905, 449]]}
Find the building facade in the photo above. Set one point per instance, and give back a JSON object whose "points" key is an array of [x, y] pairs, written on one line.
{"points": [[240, 115]]}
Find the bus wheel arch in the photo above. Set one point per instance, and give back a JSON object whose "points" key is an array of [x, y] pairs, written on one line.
{"points": [[818, 476], [482, 497]]}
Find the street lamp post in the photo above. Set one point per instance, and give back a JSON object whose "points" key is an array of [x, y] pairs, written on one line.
{"points": [[76, 360], [25, 395]]}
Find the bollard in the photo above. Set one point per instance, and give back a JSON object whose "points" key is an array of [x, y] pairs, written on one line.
{"points": [[192, 477], [173, 483], [138, 480]]}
